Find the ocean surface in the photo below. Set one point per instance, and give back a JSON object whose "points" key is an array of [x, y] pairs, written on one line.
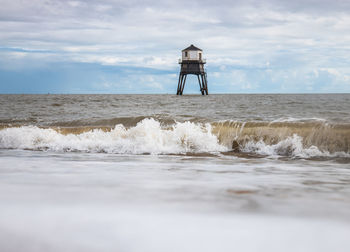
{"points": [[175, 173]]}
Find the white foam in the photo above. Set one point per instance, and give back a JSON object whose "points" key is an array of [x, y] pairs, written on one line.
{"points": [[146, 137], [291, 146], [298, 120]]}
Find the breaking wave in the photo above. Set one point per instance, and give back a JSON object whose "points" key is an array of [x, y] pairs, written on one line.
{"points": [[291, 147], [146, 137], [293, 138], [289, 138]]}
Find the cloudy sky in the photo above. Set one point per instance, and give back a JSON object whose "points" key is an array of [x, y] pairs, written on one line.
{"points": [[112, 46]]}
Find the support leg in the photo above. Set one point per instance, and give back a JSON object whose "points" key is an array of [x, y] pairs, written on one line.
{"points": [[200, 84], [205, 84], [183, 84], [179, 85]]}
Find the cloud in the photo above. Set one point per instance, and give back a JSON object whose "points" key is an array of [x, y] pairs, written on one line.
{"points": [[267, 42]]}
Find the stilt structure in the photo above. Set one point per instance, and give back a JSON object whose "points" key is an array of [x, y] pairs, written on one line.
{"points": [[192, 63]]}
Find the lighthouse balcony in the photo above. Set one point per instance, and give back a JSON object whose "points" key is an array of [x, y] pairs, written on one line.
{"points": [[202, 61]]}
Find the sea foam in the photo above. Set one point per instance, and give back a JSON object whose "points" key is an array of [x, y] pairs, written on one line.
{"points": [[291, 147], [148, 136]]}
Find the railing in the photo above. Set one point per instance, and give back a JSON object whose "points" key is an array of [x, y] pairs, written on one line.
{"points": [[201, 61]]}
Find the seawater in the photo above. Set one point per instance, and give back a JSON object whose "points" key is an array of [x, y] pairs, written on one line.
{"points": [[175, 173]]}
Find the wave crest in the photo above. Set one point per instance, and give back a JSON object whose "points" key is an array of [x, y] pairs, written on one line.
{"points": [[146, 137], [327, 138], [291, 147], [301, 140]]}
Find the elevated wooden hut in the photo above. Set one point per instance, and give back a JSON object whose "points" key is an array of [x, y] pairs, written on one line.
{"points": [[192, 62]]}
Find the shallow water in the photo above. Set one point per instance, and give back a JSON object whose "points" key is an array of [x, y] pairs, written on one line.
{"points": [[160, 173]]}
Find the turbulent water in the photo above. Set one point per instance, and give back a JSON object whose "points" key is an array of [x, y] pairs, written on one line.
{"points": [[285, 125], [190, 167]]}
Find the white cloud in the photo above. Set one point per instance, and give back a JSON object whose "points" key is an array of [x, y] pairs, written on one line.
{"points": [[289, 37]]}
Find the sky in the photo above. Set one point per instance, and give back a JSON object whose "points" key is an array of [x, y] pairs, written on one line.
{"points": [[113, 46]]}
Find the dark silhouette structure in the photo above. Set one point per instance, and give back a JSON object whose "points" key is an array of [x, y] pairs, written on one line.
{"points": [[192, 63]]}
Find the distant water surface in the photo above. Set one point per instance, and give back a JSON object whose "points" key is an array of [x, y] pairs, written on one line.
{"points": [[101, 110]]}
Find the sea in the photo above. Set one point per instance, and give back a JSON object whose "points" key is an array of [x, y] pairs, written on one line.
{"points": [[230, 172]]}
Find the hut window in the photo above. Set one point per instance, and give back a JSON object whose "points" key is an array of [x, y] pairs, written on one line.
{"points": [[200, 56], [185, 54]]}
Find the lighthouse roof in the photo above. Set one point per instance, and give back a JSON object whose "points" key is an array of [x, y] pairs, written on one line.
{"points": [[192, 48]]}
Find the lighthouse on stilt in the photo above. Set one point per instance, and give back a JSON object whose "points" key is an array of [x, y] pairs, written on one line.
{"points": [[192, 63]]}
